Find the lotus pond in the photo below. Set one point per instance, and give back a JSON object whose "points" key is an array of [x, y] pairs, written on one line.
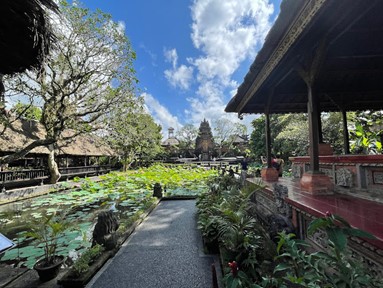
{"points": [[129, 194]]}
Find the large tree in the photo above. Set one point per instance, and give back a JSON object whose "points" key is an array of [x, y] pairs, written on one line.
{"points": [[186, 137], [225, 132], [87, 76], [133, 134]]}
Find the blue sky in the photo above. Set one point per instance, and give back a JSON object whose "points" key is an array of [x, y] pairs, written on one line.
{"points": [[192, 54]]}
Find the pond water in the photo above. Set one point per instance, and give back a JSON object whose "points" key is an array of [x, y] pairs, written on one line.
{"points": [[128, 194], [80, 208]]}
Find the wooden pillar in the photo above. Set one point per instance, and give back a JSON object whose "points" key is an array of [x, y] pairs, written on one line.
{"points": [[346, 139], [314, 181], [268, 139], [269, 174], [320, 130], [312, 111]]}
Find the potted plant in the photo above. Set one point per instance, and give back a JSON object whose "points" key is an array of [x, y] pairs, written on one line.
{"points": [[47, 232]]}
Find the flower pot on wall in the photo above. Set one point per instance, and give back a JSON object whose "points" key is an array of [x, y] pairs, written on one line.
{"points": [[269, 174]]}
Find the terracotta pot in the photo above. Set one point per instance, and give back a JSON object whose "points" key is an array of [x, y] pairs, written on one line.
{"points": [[47, 273]]}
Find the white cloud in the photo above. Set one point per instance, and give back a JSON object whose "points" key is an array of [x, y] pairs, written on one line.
{"points": [[160, 114], [227, 33], [171, 56], [178, 76], [121, 27]]}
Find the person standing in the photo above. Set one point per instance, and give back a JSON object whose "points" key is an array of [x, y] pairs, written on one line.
{"points": [[279, 164]]}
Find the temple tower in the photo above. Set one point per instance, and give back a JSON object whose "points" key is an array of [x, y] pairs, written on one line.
{"points": [[204, 142]]}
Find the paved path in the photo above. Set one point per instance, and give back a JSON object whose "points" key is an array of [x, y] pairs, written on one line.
{"points": [[165, 251]]}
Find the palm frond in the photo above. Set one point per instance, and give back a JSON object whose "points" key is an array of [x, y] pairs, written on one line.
{"points": [[25, 34]]}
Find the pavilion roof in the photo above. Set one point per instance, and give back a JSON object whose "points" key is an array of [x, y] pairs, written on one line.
{"points": [[349, 71], [23, 132]]}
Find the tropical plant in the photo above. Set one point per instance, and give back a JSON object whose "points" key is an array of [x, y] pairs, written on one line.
{"points": [[366, 135], [346, 272], [225, 215], [333, 267], [47, 232]]}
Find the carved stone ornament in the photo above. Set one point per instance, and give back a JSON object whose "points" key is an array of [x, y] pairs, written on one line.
{"points": [[296, 171], [344, 177], [280, 193]]}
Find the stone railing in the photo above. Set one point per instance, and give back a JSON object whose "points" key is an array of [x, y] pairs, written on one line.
{"points": [[359, 175]]}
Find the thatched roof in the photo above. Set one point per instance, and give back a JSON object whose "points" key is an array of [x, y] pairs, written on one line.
{"points": [[23, 132], [25, 34]]}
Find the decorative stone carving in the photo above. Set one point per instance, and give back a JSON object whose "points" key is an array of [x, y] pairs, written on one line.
{"points": [[377, 177], [320, 238], [104, 232], [296, 171], [328, 172], [280, 193], [157, 190], [278, 223], [344, 177]]}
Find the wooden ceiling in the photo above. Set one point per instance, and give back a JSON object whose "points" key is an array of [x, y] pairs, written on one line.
{"points": [[341, 39]]}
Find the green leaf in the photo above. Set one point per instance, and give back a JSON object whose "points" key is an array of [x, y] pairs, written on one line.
{"points": [[282, 267], [358, 233], [342, 220], [318, 223], [338, 237]]}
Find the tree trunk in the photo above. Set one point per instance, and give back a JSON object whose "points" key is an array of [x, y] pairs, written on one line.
{"points": [[53, 168]]}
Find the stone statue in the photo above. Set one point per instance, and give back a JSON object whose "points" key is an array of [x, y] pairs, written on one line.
{"points": [[104, 232]]}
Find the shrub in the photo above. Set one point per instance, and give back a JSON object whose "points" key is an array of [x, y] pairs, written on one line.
{"points": [[87, 258]]}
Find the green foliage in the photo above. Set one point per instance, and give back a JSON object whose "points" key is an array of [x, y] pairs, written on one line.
{"points": [[129, 194], [289, 134], [332, 268], [225, 132], [186, 137], [170, 177], [367, 134], [87, 258], [225, 214], [27, 111], [88, 76], [47, 231], [134, 135]]}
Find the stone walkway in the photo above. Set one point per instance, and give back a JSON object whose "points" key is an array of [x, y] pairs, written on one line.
{"points": [[164, 251]]}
